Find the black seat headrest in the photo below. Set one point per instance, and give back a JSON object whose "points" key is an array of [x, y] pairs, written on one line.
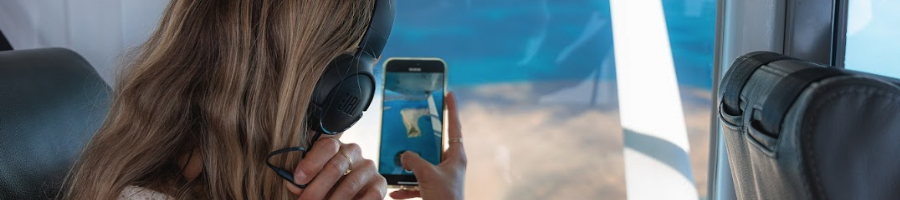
{"points": [[51, 103], [796, 129]]}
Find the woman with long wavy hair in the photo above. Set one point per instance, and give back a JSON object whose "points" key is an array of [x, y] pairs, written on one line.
{"points": [[218, 86]]}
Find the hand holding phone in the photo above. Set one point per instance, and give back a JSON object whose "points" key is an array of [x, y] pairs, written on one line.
{"points": [[445, 180]]}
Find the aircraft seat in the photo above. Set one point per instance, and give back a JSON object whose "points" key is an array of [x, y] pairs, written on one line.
{"points": [[800, 130], [51, 103]]}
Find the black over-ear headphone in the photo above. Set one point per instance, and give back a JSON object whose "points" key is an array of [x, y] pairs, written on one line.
{"points": [[347, 86]]}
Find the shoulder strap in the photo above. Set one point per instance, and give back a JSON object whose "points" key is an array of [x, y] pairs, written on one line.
{"points": [[739, 74], [4, 44], [786, 91]]}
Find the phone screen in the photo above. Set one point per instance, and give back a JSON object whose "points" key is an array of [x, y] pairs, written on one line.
{"points": [[412, 118]]}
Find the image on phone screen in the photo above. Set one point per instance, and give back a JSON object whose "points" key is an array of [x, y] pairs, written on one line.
{"points": [[412, 116]]}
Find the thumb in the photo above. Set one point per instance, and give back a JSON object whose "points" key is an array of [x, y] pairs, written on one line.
{"points": [[413, 162]]}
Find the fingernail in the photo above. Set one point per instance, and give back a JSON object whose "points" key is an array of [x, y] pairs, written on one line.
{"points": [[299, 176]]}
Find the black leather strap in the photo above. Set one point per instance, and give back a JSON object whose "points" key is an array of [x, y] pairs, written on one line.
{"points": [[786, 91], [4, 44], [739, 74]]}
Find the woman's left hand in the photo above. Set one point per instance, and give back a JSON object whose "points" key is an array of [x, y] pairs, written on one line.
{"points": [[324, 168]]}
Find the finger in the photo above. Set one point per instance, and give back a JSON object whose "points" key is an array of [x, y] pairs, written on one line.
{"points": [[455, 127], [413, 162], [322, 151], [332, 172], [456, 151], [371, 195], [354, 182], [376, 189], [405, 194], [293, 188]]}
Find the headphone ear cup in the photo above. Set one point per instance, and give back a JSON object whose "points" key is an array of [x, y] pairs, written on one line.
{"points": [[343, 92]]}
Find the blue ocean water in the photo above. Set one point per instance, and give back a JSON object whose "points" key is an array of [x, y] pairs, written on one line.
{"points": [[516, 41]]}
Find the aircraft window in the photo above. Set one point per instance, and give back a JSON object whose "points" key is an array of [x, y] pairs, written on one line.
{"points": [[872, 37], [541, 94]]}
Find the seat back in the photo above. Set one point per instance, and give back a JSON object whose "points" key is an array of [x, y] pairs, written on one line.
{"points": [[800, 130], [51, 103], [4, 44]]}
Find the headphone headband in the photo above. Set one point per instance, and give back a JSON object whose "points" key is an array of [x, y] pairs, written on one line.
{"points": [[379, 29]]}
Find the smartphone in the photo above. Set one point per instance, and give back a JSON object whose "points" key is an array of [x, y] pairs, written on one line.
{"points": [[412, 115]]}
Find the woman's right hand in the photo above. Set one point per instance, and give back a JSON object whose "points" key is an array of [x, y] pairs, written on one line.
{"points": [[445, 180], [333, 170]]}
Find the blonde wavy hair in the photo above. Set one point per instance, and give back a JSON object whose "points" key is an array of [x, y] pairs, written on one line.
{"points": [[228, 79]]}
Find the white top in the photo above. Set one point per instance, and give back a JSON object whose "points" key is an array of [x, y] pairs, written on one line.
{"points": [[139, 193]]}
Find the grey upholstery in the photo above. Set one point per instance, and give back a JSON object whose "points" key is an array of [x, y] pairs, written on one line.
{"points": [[799, 130], [51, 103]]}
